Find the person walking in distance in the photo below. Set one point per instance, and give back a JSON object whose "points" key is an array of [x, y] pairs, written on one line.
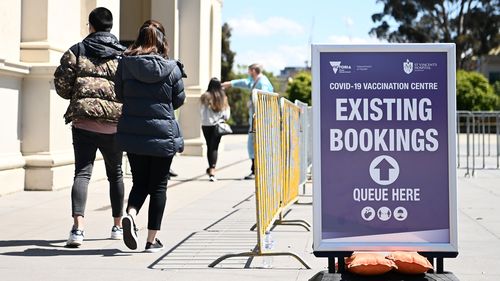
{"points": [[151, 88], [214, 107], [256, 80], [85, 77]]}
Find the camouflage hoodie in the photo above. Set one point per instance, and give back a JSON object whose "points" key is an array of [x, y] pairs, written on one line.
{"points": [[86, 78]]}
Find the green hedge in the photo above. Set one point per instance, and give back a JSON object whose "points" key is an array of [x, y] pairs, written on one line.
{"points": [[475, 93]]}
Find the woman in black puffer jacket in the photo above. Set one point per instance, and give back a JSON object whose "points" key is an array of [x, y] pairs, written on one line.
{"points": [[151, 88]]}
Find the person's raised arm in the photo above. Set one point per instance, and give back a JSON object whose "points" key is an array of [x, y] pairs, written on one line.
{"points": [[238, 83]]}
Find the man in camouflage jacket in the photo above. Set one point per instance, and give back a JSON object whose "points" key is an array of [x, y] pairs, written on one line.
{"points": [[85, 77]]}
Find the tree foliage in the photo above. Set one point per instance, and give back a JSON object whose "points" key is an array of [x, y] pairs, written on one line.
{"points": [[238, 98], [472, 25], [299, 88], [239, 110], [474, 92], [238, 101], [227, 58], [496, 88]]}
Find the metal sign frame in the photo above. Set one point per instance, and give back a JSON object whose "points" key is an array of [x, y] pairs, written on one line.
{"points": [[324, 246]]}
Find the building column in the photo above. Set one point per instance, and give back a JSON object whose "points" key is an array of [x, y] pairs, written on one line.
{"points": [[11, 160], [167, 12], [11, 77], [199, 25], [216, 38], [47, 141]]}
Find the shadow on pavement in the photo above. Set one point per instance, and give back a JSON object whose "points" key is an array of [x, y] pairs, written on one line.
{"points": [[42, 252], [45, 248], [40, 243]]}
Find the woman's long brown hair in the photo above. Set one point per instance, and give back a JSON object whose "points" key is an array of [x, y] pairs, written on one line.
{"points": [[151, 40], [215, 98]]}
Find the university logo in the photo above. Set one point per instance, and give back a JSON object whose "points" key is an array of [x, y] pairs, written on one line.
{"points": [[335, 66], [408, 66]]}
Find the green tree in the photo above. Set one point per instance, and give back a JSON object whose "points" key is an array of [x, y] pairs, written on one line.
{"points": [[299, 87], [471, 24], [238, 101], [239, 110], [238, 98], [474, 92], [496, 88], [227, 57]]}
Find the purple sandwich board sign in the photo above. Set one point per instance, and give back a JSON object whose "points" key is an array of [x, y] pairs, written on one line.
{"points": [[384, 148]]}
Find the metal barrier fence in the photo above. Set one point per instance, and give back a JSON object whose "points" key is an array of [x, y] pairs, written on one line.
{"points": [[303, 134], [277, 165], [478, 127], [309, 141], [290, 114], [268, 187]]}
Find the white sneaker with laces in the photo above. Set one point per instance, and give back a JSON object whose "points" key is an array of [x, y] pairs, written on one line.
{"points": [[116, 233], [75, 238]]}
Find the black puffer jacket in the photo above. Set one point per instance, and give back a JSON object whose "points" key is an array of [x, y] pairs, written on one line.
{"points": [[150, 88]]}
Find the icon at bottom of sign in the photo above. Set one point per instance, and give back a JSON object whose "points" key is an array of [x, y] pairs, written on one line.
{"points": [[400, 213], [368, 213], [384, 213]]}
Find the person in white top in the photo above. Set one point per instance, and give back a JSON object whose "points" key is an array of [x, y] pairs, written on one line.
{"points": [[214, 107]]}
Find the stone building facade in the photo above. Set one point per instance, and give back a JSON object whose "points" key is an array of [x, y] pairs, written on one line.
{"points": [[35, 145]]}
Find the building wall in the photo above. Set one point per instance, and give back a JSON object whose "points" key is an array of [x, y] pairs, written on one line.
{"points": [[12, 72], [489, 66], [36, 148]]}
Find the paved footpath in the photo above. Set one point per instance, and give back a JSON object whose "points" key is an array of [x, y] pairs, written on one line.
{"points": [[203, 221]]}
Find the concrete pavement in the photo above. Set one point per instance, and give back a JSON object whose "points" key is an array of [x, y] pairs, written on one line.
{"points": [[203, 221]]}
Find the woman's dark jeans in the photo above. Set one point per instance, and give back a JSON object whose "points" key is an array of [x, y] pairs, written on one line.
{"points": [[149, 177], [85, 145], [212, 141]]}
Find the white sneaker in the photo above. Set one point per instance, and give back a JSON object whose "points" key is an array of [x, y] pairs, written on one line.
{"points": [[116, 233], [75, 239], [212, 178]]}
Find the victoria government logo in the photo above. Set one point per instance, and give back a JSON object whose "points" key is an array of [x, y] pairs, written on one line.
{"points": [[408, 66], [335, 66], [340, 68]]}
